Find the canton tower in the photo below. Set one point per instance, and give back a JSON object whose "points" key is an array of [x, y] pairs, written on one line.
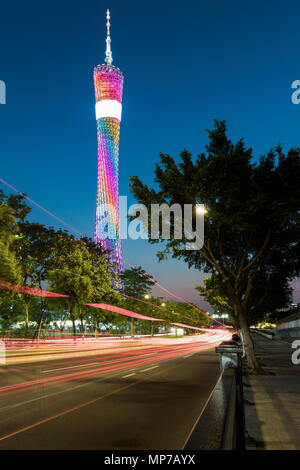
{"points": [[108, 81]]}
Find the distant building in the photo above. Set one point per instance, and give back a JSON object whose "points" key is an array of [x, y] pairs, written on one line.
{"points": [[289, 326]]}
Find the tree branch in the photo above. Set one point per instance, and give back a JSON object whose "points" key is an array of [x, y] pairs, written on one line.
{"points": [[260, 252]]}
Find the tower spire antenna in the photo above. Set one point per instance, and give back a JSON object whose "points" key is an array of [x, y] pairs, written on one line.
{"points": [[108, 54]]}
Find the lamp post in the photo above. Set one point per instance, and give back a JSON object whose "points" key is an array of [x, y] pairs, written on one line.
{"points": [[224, 315]]}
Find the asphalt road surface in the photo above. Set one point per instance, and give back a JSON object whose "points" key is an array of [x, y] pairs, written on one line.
{"points": [[127, 395]]}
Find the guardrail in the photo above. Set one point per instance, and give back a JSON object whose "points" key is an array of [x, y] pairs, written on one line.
{"points": [[234, 430], [221, 425], [266, 334]]}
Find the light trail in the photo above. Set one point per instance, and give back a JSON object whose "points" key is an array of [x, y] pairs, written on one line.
{"points": [[145, 275], [123, 311], [119, 364], [41, 207], [5, 285], [160, 307], [112, 308], [77, 407], [171, 293]]}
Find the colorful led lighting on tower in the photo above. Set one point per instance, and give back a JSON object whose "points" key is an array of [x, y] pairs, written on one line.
{"points": [[108, 82]]}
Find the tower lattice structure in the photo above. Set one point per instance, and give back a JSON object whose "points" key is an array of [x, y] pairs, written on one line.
{"points": [[108, 81]]}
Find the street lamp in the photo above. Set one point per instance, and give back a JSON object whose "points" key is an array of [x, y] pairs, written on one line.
{"points": [[147, 296], [201, 210], [224, 315]]}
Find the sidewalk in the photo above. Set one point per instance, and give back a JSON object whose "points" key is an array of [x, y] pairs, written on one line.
{"points": [[272, 402]]}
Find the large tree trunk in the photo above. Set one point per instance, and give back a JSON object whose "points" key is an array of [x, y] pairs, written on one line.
{"points": [[248, 343]]}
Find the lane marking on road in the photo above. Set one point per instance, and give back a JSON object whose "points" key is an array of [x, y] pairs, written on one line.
{"points": [[53, 394], [188, 355], [149, 368], [128, 375], [69, 367], [81, 405], [69, 389]]}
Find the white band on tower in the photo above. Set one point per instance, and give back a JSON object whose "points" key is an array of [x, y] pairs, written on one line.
{"points": [[108, 109]]}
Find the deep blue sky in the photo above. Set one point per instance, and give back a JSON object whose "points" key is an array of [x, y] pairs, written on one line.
{"points": [[185, 63]]}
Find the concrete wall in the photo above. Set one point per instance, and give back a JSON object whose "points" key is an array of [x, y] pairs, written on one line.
{"points": [[293, 332], [288, 328], [289, 324]]}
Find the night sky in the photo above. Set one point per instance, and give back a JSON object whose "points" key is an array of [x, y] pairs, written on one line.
{"points": [[185, 63]]}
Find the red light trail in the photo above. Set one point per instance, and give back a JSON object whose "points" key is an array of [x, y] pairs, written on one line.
{"points": [[112, 308], [133, 267], [41, 207], [28, 290], [123, 311], [124, 361], [170, 293]]}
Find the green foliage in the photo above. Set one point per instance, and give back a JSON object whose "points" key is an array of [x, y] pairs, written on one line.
{"points": [[179, 312], [82, 273], [136, 284], [9, 267], [252, 225], [40, 256]]}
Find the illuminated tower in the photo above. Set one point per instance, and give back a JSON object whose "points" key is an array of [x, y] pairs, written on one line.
{"points": [[108, 82]]}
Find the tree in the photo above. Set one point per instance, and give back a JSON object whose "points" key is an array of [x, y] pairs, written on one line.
{"points": [[252, 222], [32, 254], [183, 313], [105, 277], [9, 267], [84, 276], [35, 252], [32, 249], [214, 293], [136, 284]]}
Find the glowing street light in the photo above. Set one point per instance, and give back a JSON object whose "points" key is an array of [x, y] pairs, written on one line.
{"points": [[224, 315], [201, 209], [147, 296]]}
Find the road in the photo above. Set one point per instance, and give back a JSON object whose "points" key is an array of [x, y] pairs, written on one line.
{"points": [[144, 394]]}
